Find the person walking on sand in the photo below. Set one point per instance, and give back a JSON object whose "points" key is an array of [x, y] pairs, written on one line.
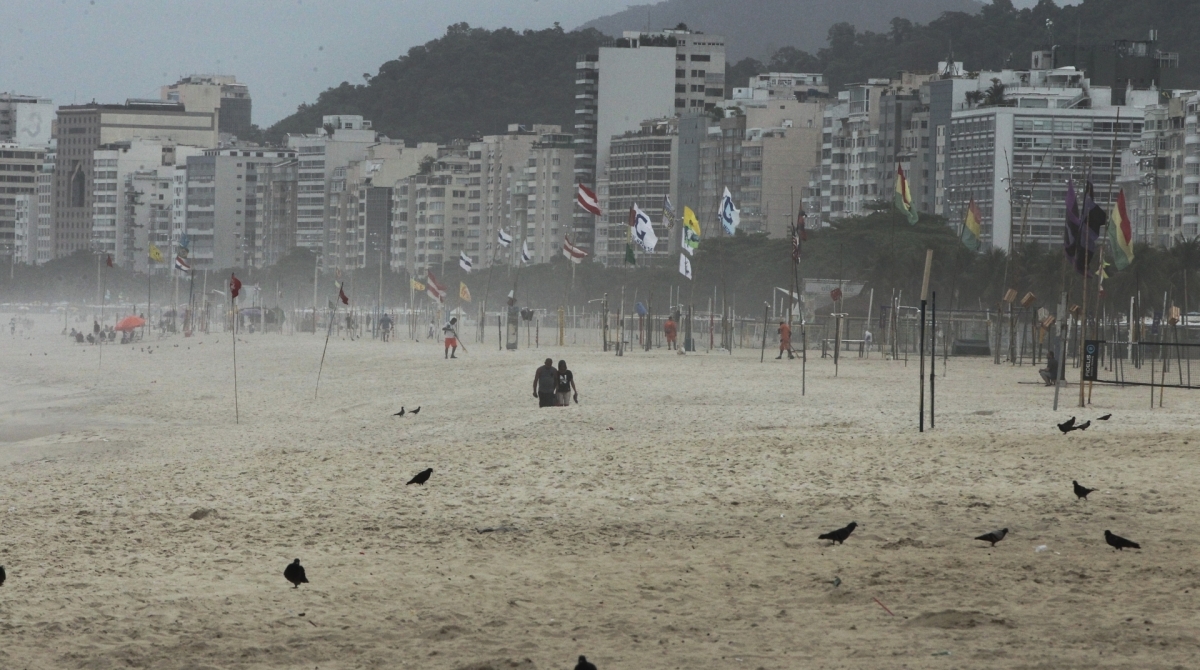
{"points": [[566, 386], [670, 329], [451, 338], [385, 326], [785, 340], [545, 384]]}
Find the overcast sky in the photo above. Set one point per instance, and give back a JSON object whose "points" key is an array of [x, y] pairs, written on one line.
{"points": [[287, 51]]}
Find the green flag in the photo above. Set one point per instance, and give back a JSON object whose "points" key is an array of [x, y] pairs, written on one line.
{"points": [[629, 254]]}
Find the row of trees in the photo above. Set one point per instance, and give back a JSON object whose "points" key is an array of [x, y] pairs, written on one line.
{"points": [[880, 249]]}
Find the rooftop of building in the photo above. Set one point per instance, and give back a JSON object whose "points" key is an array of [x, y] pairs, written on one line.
{"points": [[130, 105]]}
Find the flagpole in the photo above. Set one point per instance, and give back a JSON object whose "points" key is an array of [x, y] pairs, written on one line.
{"points": [[103, 302], [328, 331], [237, 416], [146, 321]]}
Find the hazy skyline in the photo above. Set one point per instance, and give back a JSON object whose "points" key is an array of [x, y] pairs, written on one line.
{"points": [[286, 51]]}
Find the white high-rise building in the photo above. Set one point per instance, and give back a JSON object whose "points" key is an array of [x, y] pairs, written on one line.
{"points": [[26, 120], [340, 140]]}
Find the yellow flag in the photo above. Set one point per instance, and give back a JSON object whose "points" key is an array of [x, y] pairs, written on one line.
{"points": [[155, 254], [416, 285], [691, 230], [463, 292]]}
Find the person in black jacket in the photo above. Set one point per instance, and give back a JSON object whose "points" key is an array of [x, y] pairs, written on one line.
{"points": [[545, 383]]}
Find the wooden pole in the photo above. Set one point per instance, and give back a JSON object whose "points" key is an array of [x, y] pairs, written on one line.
{"points": [[237, 414], [328, 331], [762, 354], [921, 340], [932, 354]]}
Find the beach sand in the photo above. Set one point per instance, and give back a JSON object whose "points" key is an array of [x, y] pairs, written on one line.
{"points": [[667, 521]]}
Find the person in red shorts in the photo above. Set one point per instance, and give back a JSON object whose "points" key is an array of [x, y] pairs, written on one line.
{"points": [[451, 339], [785, 340]]}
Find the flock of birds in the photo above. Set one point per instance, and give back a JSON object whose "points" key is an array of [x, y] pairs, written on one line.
{"points": [[294, 572], [1081, 493]]}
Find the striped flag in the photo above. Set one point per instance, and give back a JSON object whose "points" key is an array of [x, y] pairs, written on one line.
{"points": [[433, 289], [464, 261], [587, 199], [503, 238], [573, 252], [525, 255], [180, 264]]}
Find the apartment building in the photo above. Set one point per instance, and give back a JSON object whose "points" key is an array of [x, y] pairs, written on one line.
{"points": [[114, 193], [45, 207], [639, 171], [1015, 160], [361, 196], [24, 228], [222, 95], [18, 177], [430, 213], [645, 75], [26, 120], [82, 129], [340, 140], [220, 204], [1160, 173], [275, 214]]}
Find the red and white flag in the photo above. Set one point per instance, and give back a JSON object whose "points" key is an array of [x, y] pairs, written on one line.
{"points": [[342, 295], [573, 252], [587, 199], [235, 286], [433, 289]]}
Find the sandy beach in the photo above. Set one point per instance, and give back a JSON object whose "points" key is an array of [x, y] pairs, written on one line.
{"points": [[669, 520]]}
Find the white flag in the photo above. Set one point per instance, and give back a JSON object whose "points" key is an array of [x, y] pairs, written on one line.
{"points": [[464, 261], [525, 257], [504, 238], [643, 230], [685, 266], [730, 215]]}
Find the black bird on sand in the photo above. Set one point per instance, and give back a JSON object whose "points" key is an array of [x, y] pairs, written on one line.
{"points": [[1081, 491], [294, 573], [416, 411], [2, 575], [840, 534], [1118, 542], [401, 412], [1068, 425], [994, 536], [1106, 417], [585, 664], [421, 477], [1084, 425]]}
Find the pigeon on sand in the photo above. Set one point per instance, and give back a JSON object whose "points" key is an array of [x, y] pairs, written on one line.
{"points": [[421, 477], [994, 536], [840, 534], [1081, 491], [294, 573], [1120, 543]]}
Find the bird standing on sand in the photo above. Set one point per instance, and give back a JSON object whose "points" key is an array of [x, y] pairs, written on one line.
{"points": [[1067, 426], [416, 411], [1120, 543], [294, 573], [1084, 425], [401, 412], [994, 536], [1106, 417], [584, 664], [421, 477], [840, 534], [1081, 491]]}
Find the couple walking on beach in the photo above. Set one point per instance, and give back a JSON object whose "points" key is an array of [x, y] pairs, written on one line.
{"points": [[554, 387]]}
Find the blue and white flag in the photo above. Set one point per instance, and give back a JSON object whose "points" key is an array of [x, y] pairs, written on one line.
{"points": [[525, 257], [668, 213], [464, 261], [730, 215], [643, 230], [503, 238]]}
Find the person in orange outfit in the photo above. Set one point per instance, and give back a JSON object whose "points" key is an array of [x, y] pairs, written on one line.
{"points": [[670, 329], [785, 340]]}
